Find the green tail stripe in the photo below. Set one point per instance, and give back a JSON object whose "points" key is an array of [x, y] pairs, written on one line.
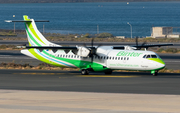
{"points": [[33, 31], [39, 57], [31, 37], [30, 26]]}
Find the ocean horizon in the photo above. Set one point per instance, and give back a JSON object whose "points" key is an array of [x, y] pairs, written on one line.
{"points": [[93, 18]]}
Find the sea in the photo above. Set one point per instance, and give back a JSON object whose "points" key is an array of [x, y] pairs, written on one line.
{"points": [[95, 18]]}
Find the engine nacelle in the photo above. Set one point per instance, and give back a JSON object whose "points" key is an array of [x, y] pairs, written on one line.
{"points": [[129, 48], [83, 51]]}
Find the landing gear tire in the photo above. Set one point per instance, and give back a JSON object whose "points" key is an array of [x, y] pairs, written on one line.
{"points": [[155, 74], [84, 72], [108, 72]]}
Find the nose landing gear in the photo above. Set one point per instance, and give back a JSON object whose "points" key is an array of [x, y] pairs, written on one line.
{"points": [[154, 73]]}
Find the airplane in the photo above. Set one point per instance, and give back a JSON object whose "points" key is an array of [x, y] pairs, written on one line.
{"points": [[93, 58]]}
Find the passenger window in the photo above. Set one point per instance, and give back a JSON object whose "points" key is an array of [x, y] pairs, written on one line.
{"points": [[121, 58], [112, 58], [127, 58], [116, 58], [124, 58], [107, 57]]}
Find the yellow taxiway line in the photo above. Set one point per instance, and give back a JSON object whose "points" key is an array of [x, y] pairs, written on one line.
{"points": [[44, 73], [113, 76], [106, 76]]}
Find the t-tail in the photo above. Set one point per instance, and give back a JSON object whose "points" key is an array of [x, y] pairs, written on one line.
{"points": [[35, 37]]}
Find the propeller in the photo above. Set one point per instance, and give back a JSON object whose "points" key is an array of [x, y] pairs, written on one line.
{"points": [[93, 50], [139, 47], [136, 41]]}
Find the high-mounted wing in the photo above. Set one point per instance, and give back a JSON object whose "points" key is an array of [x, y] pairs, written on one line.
{"points": [[152, 45], [142, 46]]}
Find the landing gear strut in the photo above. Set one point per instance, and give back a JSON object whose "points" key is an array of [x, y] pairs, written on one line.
{"points": [[84, 72]]}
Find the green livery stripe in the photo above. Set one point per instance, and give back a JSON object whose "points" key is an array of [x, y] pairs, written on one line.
{"points": [[39, 57], [157, 60], [33, 32], [30, 26], [79, 63], [31, 37]]}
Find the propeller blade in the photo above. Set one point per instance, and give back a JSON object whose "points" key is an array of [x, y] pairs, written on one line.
{"points": [[136, 41], [143, 43], [93, 50], [99, 46], [92, 42], [92, 58], [84, 45]]}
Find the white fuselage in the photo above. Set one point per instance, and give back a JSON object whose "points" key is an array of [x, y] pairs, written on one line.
{"points": [[108, 57]]}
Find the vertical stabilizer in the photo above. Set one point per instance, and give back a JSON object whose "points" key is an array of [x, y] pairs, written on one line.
{"points": [[35, 38]]}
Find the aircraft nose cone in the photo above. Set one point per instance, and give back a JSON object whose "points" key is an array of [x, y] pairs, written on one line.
{"points": [[161, 66], [161, 63]]}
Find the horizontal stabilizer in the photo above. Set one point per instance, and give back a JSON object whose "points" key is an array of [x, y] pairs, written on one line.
{"points": [[47, 47], [26, 21]]}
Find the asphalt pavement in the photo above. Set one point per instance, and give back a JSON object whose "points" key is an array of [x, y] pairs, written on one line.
{"points": [[118, 82]]}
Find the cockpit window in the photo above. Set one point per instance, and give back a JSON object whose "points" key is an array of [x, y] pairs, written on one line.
{"points": [[150, 56], [153, 56], [144, 56]]}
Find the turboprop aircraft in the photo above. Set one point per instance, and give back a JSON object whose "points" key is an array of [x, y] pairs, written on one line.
{"points": [[93, 58]]}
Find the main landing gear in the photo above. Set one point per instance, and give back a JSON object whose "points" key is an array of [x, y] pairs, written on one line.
{"points": [[84, 72]]}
